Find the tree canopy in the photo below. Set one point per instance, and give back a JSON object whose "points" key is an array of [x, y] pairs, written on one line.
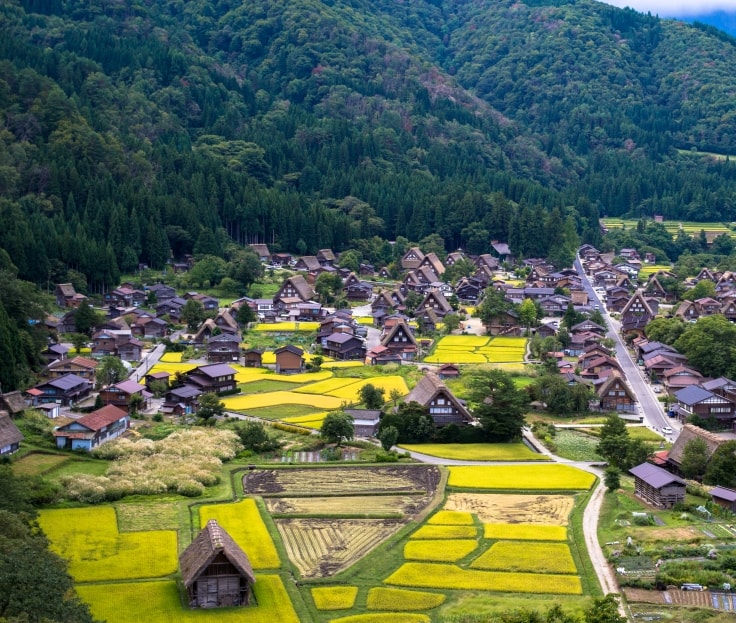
{"points": [[497, 403]]}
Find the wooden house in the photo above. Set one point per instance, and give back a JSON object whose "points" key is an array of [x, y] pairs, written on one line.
{"points": [[724, 497], [64, 390], [262, 251], [436, 301], [399, 339], [326, 257], [308, 263], [10, 436], [293, 291], [223, 348], [156, 377], [657, 486], [162, 292], [93, 429], [13, 403], [365, 421], [289, 359], [253, 358], [444, 407], [215, 571], [344, 346], [120, 394], [689, 433], [707, 405], [182, 400], [448, 371], [412, 259], [217, 377], [636, 315], [615, 395]]}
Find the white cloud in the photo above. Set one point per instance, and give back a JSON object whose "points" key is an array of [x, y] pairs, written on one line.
{"points": [[679, 8]]}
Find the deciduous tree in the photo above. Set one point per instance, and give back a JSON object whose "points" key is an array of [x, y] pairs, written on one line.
{"points": [[337, 427]]}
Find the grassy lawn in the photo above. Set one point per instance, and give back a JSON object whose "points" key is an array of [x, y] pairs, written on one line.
{"points": [[477, 451]]}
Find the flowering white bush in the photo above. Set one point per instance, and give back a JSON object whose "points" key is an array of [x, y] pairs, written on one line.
{"points": [[185, 462]]}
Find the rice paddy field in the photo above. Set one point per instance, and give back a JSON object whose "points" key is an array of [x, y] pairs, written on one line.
{"points": [[160, 602], [476, 349], [691, 227], [478, 451], [520, 477]]}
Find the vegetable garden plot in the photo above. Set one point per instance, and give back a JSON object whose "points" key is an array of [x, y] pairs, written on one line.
{"points": [[89, 539], [324, 547], [496, 508]]}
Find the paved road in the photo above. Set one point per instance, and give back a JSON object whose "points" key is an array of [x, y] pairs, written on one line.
{"points": [[650, 407]]}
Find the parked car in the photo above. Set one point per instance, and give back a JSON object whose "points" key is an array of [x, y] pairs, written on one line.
{"points": [[667, 430]]}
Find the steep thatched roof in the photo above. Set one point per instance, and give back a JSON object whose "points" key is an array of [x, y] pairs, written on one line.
{"points": [[207, 545], [429, 387], [688, 433], [12, 402], [9, 433]]}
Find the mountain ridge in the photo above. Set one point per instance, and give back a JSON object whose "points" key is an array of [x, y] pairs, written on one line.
{"points": [[135, 131]]}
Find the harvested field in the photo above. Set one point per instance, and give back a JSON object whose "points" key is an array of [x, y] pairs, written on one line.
{"points": [[527, 556], [341, 480], [36, 463], [509, 508], [323, 547], [380, 598], [378, 505], [643, 596]]}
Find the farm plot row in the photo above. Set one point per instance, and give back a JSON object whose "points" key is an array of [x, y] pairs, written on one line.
{"points": [[379, 598], [324, 547], [350, 505], [342, 480]]}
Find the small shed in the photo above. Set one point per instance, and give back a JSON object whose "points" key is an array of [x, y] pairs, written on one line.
{"points": [[253, 358], [215, 571], [365, 421], [289, 359], [657, 486], [725, 497]]}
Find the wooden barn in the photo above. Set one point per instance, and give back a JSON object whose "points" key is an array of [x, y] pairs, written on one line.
{"points": [[725, 497], [657, 486], [10, 436], [215, 571]]}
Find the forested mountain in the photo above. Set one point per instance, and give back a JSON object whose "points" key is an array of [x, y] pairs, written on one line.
{"points": [[134, 130]]}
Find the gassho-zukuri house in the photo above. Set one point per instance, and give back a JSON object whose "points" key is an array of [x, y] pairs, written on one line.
{"points": [[215, 571]]}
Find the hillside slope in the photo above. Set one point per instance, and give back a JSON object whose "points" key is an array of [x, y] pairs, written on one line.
{"points": [[135, 130]]}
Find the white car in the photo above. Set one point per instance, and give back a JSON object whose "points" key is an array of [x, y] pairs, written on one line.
{"points": [[666, 430]]}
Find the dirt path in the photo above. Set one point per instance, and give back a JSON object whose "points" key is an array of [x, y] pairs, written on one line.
{"points": [[606, 575]]}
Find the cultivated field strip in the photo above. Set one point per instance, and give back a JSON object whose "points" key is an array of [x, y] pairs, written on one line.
{"points": [[332, 481], [323, 547], [510, 508], [379, 505]]}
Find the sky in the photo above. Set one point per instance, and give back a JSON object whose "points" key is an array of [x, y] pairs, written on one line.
{"points": [[676, 8]]}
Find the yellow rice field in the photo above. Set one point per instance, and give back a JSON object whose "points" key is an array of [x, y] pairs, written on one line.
{"points": [[432, 531], [382, 598], [89, 539], [173, 368], [271, 399], [527, 556], [387, 383], [384, 617], [327, 386], [171, 357], [478, 451], [435, 575], [282, 327], [305, 377], [531, 532], [477, 349], [439, 550], [160, 602], [451, 518], [334, 597], [244, 524], [312, 420], [520, 477]]}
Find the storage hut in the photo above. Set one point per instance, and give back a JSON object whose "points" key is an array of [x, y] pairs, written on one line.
{"points": [[215, 571], [657, 486]]}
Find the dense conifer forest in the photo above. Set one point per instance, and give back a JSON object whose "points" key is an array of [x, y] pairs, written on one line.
{"points": [[133, 131]]}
